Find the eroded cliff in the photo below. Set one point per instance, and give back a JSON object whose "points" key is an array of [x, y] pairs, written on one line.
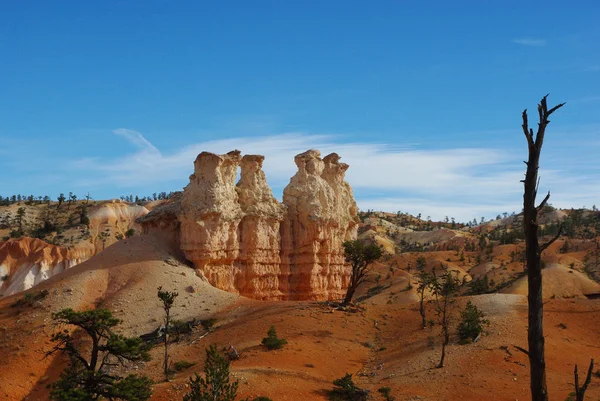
{"points": [[243, 240], [25, 262]]}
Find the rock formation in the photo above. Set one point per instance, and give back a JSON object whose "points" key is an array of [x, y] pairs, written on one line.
{"points": [[259, 259], [210, 216], [322, 214], [243, 240], [26, 262]]}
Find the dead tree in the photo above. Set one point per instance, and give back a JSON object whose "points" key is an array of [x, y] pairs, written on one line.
{"points": [[535, 336], [580, 391]]}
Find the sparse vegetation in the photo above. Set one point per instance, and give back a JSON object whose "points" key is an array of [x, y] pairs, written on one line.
{"points": [[182, 365], [444, 290], [30, 298], [425, 282], [360, 257], [208, 324], [167, 299], [87, 376], [215, 385], [344, 389], [271, 341], [472, 323], [386, 393]]}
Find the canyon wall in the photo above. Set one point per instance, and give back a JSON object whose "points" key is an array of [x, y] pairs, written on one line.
{"points": [[25, 262], [243, 240]]}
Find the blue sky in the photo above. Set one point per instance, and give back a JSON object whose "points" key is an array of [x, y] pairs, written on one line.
{"points": [[422, 99]]}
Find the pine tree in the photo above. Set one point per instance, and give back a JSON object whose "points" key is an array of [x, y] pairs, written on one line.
{"points": [[215, 386], [271, 341], [472, 322], [88, 376], [168, 299], [360, 257]]}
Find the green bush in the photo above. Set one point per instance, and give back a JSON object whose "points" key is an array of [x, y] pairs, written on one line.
{"points": [[208, 323], [344, 389], [471, 323], [179, 327], [30, 298], [182, 365], [216, 384], [386, 393], [271, 341]]}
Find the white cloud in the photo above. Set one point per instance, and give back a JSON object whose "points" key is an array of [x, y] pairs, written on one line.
{"points": [[137, 139], [530, 41], [464, 183], [377, 171]]}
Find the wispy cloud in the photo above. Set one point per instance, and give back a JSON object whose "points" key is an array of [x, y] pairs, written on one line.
{"points": [[379, 172], [464, 183], [529, 41]]}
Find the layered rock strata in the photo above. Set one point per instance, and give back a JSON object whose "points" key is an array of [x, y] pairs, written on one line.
{"points": [[243, 240], [27, 262]]}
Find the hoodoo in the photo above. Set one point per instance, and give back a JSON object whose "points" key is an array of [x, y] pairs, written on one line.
{"points": [[243, 240]]}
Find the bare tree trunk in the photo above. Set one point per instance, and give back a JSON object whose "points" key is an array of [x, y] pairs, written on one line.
{"points": [[422, 310], [580, 391], [535, 337], [166, 362], [349, 294], [446, 341]]}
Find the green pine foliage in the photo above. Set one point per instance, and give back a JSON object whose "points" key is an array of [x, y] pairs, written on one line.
{"points": [[87, 376], [386, 393], [472, 323], [344, 389], [215, 385], [271, 341]]}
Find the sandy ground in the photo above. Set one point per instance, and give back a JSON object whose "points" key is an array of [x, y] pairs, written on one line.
{"points": [[381, 343]]}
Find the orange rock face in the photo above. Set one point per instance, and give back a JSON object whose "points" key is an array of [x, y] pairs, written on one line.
{"points": [[26, 262], [243, 240]]}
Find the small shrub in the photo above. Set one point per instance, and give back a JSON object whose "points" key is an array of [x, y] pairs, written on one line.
{"points": [[30, 298], [4, 278], [216, 383], [271, 341], [344, 389], [208, 324], [368, 344], [372, 291], [472, 322], [262, 398], [562, 326], [182, 365], [386, 393], [180, 327]]}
